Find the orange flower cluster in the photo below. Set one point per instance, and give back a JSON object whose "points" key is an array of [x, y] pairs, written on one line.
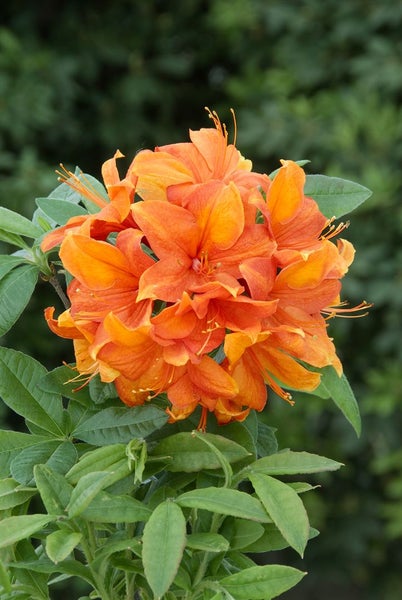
{"points": [[201, 279]]}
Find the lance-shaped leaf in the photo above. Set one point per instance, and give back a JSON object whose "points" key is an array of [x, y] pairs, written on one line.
{"points": [[11, 443], [85, 491], [15, 223], [285, 508], [57, 455], [293, 463], [225, 502], [16, 289], [111, 508], [12, 494], [272, 540], [59, 544], [13, 529], [241, 533], [342, 394], [104, 458], [261, 583], [116, 425], [208, 542], [335, 196], [164, 541], [19, 376], [8, 263], [188, 453], [58, 210], [55, 491]]}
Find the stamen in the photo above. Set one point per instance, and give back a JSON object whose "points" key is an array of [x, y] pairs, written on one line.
{"points": [[339, 310], [81, 185], [202, 425], [331, 230], [278, 390], [84, 377], [212, 114], [235, 126]]}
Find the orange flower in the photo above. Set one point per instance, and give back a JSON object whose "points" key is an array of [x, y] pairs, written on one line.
{"points": [[252, 362], [173, 171], [216, 285], [106, 276], [293, 219], [114, 213], [210, 241]]}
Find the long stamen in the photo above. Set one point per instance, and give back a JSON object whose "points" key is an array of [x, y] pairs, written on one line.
{"points": [[81, 185], [331, 230], [346, 313], [81, 377]]}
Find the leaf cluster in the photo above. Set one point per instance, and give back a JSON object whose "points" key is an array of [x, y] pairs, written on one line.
{"points": [[110, 496]]}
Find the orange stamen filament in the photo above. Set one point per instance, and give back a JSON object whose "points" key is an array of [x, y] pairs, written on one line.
{"points": [[346, 313], [331, 230], [202, 424], [81, 377], [81, 185], [201, 265]]}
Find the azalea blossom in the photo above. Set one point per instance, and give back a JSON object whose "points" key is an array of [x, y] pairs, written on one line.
{"points": [[114, 205], [201, 280]]}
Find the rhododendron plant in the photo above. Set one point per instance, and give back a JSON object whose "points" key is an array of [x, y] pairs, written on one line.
{"points": [[195, 289]]}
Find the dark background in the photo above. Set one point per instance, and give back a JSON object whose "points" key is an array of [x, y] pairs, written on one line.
{"points": [[308, 80]]}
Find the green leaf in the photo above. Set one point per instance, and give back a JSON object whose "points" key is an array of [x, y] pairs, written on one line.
{"points": [[59, 544], [58, 210], [208, 542], [334, 196], [13, 239], [261, 583], [241, 533], [69, 567], [74, 568], [12, 494], [110, 508], [16, 289], [59, 381], [13, 222], [225, 502], [19, 377], [7, 263], [272, 540], [99, 391], [13, 529], [100, 459], [185, 452], [35, 580], [342, 394], [59, 456], [285, 508], [55, 491], [121, 540], [5, 582], [266, 441], [293, 463], [85, 491], [164, 541], [11, 443], [116, 425]]}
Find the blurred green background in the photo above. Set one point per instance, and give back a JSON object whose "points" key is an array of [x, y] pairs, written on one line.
{"points": [[318, 80]]}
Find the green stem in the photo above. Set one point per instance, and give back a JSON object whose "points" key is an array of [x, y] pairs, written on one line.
{"points": [[199, 576], [88, 545]]}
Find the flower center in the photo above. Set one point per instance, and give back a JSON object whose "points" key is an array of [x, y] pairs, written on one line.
{"points": [[202, 265]]}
